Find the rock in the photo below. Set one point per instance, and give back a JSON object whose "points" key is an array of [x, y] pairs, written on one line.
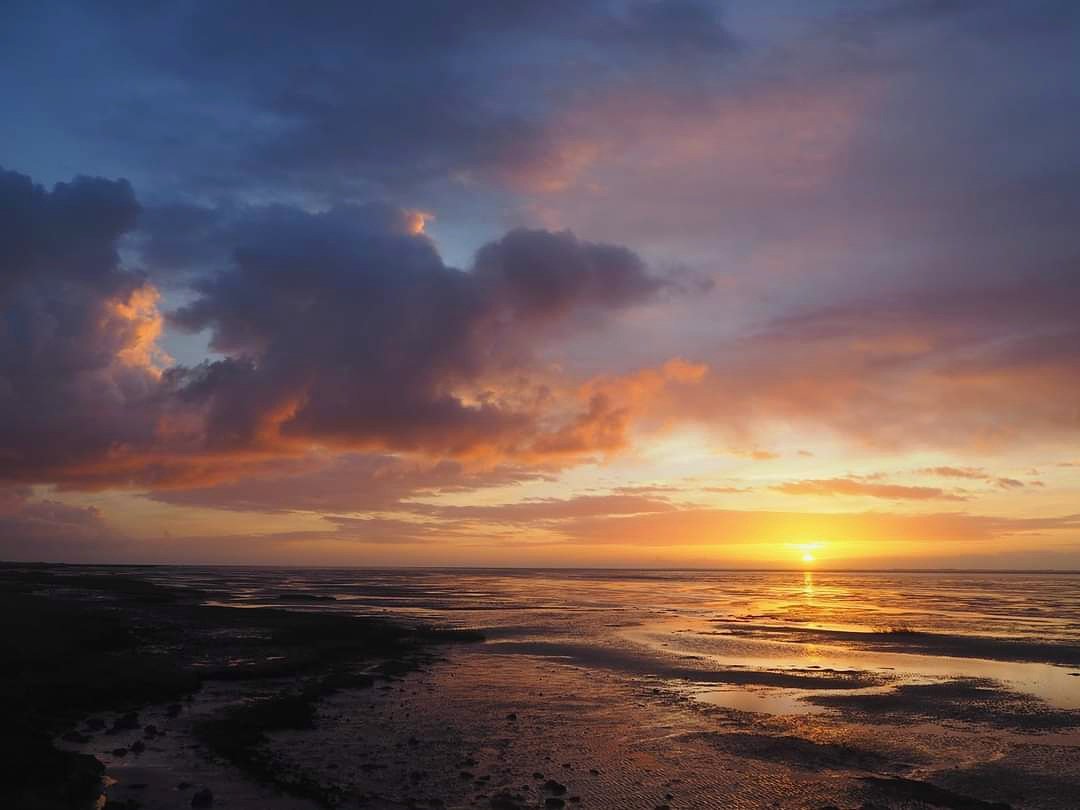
{"points": [[183, 785], [75, 737], [551, 786], [138, 747], [95, 723], [150, 731], [511, 716], [119, 752], [537, 775], [554, 803], [173, 710], [203, 798], [574, 799], [594, 772]]}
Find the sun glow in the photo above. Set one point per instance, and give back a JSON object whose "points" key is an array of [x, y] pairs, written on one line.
{"points": [[807, 552]]}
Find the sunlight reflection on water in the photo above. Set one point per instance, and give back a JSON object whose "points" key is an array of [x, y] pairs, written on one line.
{"points": [[720, 619]]}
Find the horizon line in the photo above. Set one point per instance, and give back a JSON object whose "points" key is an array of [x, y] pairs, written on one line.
{"points": [[669, 569]]}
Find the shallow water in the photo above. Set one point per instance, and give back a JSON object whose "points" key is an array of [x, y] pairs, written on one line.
{"points": [[1015, 605], [719, 620], [633, 686]]}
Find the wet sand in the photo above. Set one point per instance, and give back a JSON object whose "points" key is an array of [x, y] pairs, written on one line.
{"points": [[603, 704]]}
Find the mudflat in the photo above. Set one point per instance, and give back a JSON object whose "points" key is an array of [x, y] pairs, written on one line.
{"points": [[176, 688]]}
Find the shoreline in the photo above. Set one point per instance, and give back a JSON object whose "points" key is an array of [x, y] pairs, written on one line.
{"points": [[283, 693], [86, 644]]}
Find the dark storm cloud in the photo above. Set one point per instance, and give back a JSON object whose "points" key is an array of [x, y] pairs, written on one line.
{"points": [[76, 329], [67, 233], [347, 325], [343, 327]]}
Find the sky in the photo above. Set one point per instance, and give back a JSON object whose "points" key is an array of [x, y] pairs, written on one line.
{"points": [[622, 283]]}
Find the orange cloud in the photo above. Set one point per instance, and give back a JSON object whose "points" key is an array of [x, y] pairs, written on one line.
{"points": [[973, 473], [863, 488], [977, 371], [137, 315]]}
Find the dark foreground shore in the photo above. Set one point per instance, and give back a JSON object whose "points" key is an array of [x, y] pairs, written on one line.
{"points": [[77, 645]]}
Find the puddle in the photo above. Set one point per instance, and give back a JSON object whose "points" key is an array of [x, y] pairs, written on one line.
{"points": [[1058, 686], [780, 702]]}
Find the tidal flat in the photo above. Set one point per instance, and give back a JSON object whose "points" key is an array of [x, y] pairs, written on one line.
{"points": [[278, 688]]}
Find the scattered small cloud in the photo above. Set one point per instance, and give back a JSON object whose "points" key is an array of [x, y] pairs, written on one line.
{"points": [[863, 487], [1009, 483], [756, 454], [974, 473]]}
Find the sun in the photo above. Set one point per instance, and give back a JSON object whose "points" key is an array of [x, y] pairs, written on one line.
{"points": [[807, 553]]}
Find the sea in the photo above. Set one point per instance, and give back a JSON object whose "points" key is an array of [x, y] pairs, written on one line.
{"points": [[1020, 628], [657, 689]]}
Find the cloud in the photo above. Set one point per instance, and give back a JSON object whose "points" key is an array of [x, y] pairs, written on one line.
{"points": [[341, 329], [971, 369], [472, 93], [344, 482], [978, 474], [347, 327], [540, 511], [33, 528], [757, 454], [996, 20], [857, 487], [1009, 483], [352, 97], [79, 368], [971, 473]]}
